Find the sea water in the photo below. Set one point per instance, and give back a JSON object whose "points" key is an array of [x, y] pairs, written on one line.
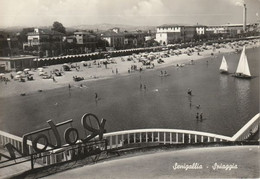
{"points": [[226, 103]]}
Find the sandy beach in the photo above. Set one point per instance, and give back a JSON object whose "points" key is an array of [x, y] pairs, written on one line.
{"points": [[121, 65]]}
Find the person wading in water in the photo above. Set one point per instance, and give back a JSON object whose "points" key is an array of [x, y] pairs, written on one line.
{"points": [[96, 96]]}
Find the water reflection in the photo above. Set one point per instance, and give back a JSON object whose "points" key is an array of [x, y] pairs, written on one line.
{"points": [[223, 79], [242, 93]]}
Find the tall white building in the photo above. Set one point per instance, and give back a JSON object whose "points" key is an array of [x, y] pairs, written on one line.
{"points": [[167, 34], [201, 30]]}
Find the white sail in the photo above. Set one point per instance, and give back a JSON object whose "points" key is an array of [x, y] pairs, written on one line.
{"points": [[246, 67], [243, 67], [223, 66]]}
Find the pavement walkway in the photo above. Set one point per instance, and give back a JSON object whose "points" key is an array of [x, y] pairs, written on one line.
{"points": [[211, 162]]}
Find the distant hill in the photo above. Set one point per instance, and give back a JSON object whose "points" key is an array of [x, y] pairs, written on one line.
{"points": [[15, 29], [94, 27], [105, 26]]}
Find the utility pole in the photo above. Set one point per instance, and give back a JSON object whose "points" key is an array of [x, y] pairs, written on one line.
{"points": [[60, 45], [10, 46]]}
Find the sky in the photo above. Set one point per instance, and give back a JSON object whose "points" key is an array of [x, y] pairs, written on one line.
{"points": [[33, 13]]}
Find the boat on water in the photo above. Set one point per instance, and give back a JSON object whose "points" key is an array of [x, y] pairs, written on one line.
{"points": [[223, 67], [243, 67]]}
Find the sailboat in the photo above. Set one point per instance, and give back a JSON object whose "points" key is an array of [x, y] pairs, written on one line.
{"points": [[223, 67], [243, 68]]}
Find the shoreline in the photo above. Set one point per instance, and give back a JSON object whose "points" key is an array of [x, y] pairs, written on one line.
{"points": [[15, 88]]}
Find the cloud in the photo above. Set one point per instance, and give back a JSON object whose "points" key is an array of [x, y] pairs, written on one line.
{"points": [[146, 12], [147, 8], [239, 2], [137, 12]]}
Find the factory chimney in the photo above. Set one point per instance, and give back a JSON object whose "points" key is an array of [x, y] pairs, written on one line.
{"points": [[244, 18]]}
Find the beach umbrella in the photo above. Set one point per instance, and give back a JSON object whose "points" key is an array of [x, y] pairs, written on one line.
{"points": [[82, 62], [17, 76], [26, 69], [2, 74], [40, 69], [144, 59], [19, 72], [41, 73]]}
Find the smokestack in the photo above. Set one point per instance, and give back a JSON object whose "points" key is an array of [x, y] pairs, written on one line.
{"points": [[244, 18]]}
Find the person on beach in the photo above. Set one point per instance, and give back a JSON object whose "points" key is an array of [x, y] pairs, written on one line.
{"points": [[116, 71], [201, 116], [69, 86], [96, 96], [197, 116], [189, 92], [145, 87], [53, 79]]}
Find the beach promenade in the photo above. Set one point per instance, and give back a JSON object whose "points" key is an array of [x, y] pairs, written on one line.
{"points": [[211, 162], [15, 88]]}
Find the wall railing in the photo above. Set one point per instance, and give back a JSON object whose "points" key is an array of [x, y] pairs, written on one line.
{"points": [[124, 138], [162, 136], [177, 136], [250, 128]]}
